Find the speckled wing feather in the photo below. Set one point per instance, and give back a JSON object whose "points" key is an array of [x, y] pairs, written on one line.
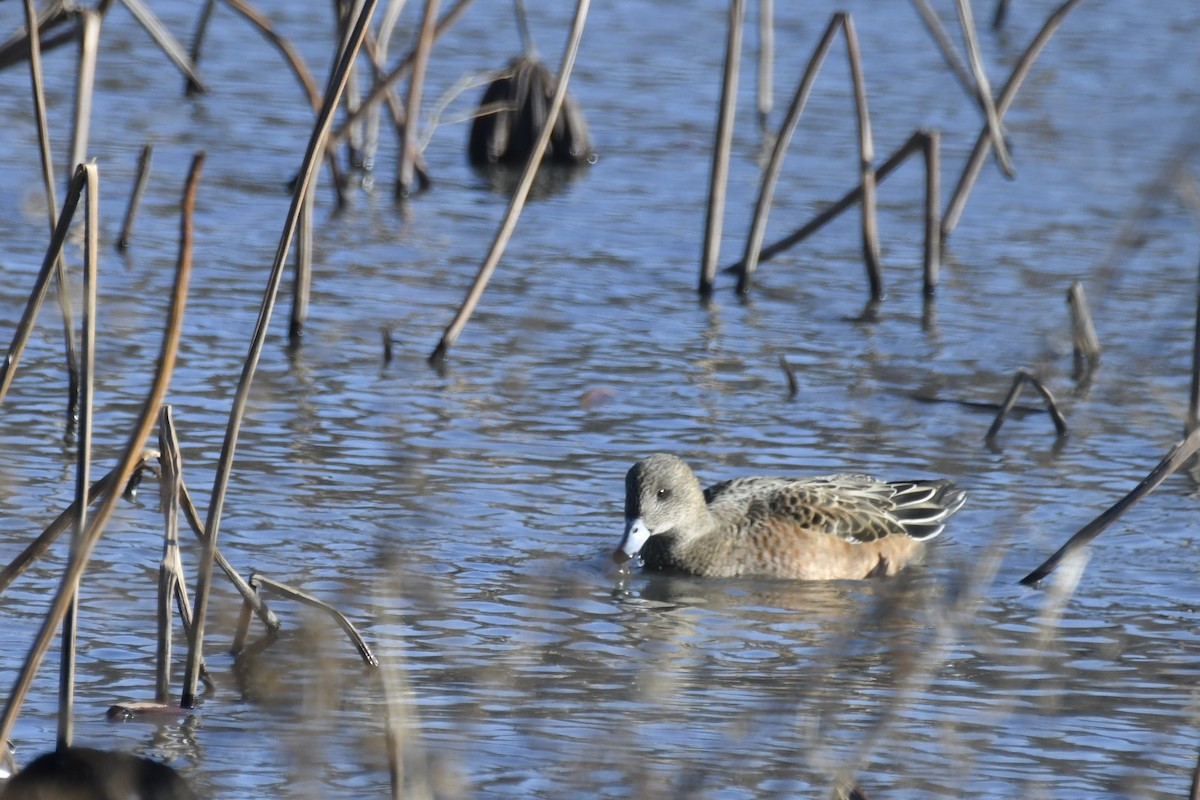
{"points": [[856, 508]]}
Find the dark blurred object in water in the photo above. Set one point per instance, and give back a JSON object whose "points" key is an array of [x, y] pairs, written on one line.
{"points": [[81, 773], [512, 113]]}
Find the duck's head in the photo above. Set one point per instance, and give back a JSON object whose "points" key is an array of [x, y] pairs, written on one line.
{"points": [[662, 495]]}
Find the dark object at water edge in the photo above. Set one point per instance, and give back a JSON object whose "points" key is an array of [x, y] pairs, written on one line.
{"points": [[512, 112], [81, 773]]}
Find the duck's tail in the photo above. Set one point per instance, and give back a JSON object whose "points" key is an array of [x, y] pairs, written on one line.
{"points": [[922, 507]]}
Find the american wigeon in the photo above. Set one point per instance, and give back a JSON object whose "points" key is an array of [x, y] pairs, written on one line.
{"points": [[826, 528]]}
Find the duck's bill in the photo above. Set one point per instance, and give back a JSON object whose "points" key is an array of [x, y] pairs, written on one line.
{"points": [[636, 534]]}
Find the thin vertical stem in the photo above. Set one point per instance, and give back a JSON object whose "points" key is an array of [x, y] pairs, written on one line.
{"points": [[866, 157], [412, 109], [520, 194], [47, 160], [302, 282], [202, 21], [135, 197], [715, 215], [172, 479], [766, 60], [1193, 413], [83, 462], [89, 44], [316, 146], [931, 147]]}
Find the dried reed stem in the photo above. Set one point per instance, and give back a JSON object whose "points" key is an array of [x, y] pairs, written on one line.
{"points": [[258, 581], [316, 145], [168, 578], [1193, 413], [198, 42], [790, 374], [135, 198], [983, 89], [1085, 343], [866, 156], [931, 148], [1019, 380], [412, 109], [83, 461], [766, 192], [48, 181], [719, 175], [766, 61], [1176, 457], [130, 457], [958, 200], [302, 281], [89, 45], [520, 194]]}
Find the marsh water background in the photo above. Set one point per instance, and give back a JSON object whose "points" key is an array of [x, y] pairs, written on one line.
{"points": [[462, 518]]}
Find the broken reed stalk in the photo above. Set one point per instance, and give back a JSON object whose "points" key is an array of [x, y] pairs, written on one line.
{"points": [[766, 192], [520, 193], [83, 460], [958, 200], [258, 581], [766, 61], [914, 144], [1085, 343], [316, 146], [412, 109], [135, 197], [790, 374], [1175, 458], [1019, 380], [983, 89], [48, 181], [167, 43], [384, 85], [931, 148], [719, 174], [866, 157], [89, 45], [130, 457]]}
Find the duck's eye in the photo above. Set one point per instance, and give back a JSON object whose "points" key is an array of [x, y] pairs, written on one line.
{"points": [[664, 494]]}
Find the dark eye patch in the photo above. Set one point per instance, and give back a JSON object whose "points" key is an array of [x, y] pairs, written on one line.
{"points": [[664, 494]]}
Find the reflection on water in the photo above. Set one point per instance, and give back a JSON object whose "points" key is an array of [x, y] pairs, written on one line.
{"points": [[462, 519]]}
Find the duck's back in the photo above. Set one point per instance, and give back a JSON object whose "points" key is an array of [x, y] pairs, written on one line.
{"points": [[836, 526]]}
